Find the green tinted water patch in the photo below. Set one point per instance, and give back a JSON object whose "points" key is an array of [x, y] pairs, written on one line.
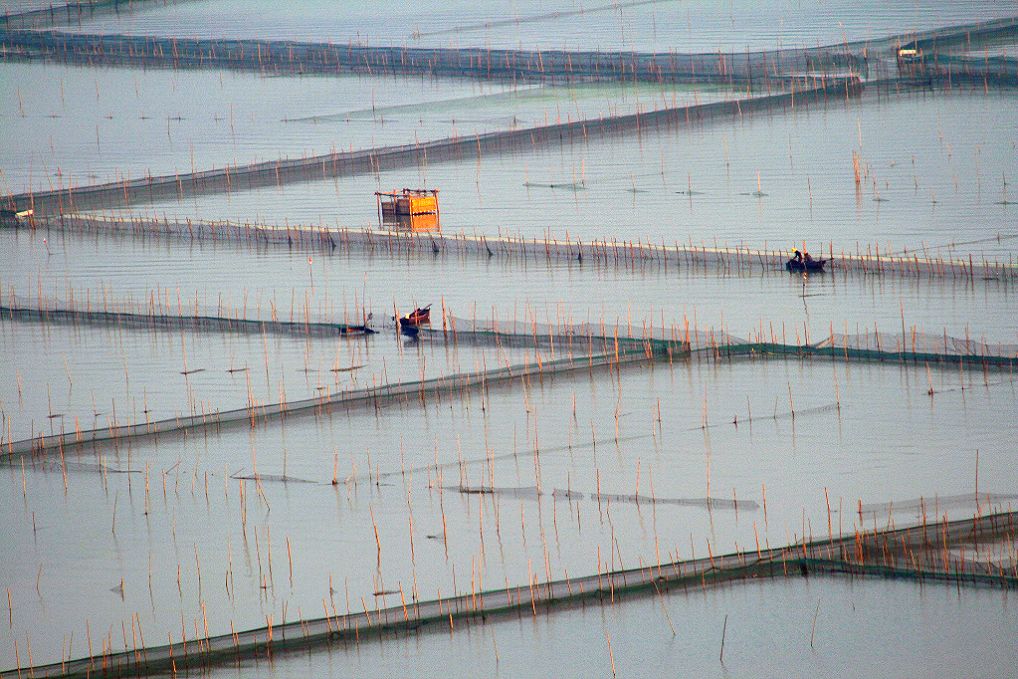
{"points": [[536, 104]]}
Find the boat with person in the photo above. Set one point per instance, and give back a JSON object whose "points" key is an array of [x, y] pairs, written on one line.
{"points": [[802, 262], [419, 316], [811, 266]]}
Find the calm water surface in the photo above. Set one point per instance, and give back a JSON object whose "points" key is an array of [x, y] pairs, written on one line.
{"points": [[694, 26], [74, 126], [59, 378], [248, 279], [863, 629], [937, 176], [174, 531], [399, 469]]}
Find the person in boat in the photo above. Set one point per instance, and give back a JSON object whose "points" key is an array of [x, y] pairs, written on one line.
{"points": [[807, 258], [797, 257]]}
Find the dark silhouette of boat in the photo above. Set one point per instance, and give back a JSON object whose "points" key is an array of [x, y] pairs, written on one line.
{"points": [[812, 266], [419, 316]]}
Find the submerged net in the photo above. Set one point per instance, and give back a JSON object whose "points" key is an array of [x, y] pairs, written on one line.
{"points": [[722, 258], [559, 349], [929, 551], [910, 345]]}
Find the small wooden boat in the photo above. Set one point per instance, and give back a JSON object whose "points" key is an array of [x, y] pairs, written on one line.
{"points": [[812, 266], [418, 316], [355, 330]]}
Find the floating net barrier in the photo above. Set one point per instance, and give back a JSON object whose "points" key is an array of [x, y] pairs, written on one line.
{"points": [[570, 348], [909, 346], [589, 339], [534, 493], [197, 323], [302, 57], [485, 63], [998, 71], [721, 259], [570, 352], [275, 173], [56, 12], [925, 552], [935, 504], [920, 347]]}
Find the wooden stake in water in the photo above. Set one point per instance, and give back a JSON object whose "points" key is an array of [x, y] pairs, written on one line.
{"points": [[977, 479], [724, 631], [289, 558], [611, 655], [813, 631]]}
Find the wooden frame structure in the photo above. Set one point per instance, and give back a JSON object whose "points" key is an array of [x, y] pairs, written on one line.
{"points": [[408, 209]]}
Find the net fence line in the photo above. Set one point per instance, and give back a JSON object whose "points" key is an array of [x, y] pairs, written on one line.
{"points": [[930, 551], [171, 322], [64, 12], [241, 177], [569, 349], [299, 57], [931, 263], [575, 353], [294, 56], [909, 341]]}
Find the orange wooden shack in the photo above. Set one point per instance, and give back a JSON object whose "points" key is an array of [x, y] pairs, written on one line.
{"points": [[408, 209]]}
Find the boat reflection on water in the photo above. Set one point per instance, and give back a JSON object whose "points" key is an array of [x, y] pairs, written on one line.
{"points": [[411, 223]]}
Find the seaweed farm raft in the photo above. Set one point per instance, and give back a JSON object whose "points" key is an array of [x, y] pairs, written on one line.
{"points": [[595, 421], [408, 210]]}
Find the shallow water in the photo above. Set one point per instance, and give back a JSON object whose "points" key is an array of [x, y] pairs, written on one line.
{"points": [[75, 125], [16, 6], [932, 180], [128, 271], [865, 628], [1006, 47], [61, 378], [398, 469], [232, 526], [692, 26]]}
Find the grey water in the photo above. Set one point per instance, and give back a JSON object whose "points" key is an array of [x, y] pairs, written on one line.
{"points": [[162, 510], [251, 280], [936, 179], [667, 25], [75, 125], [59, 379], [863, 629], [295, 517]]}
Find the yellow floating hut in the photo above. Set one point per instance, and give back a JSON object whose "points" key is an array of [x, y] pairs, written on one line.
{"points": [[408, 209]]}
